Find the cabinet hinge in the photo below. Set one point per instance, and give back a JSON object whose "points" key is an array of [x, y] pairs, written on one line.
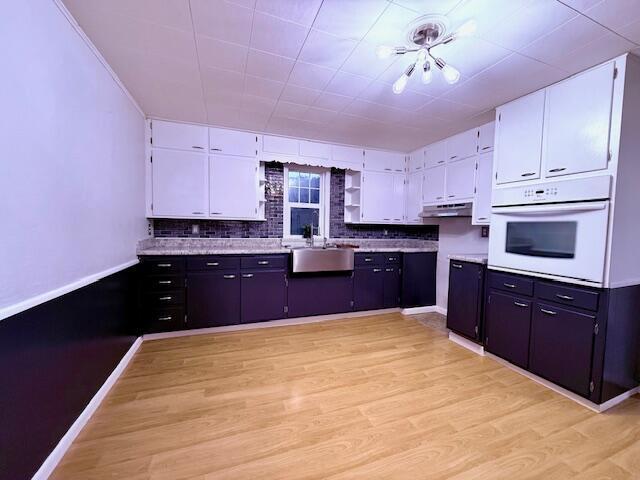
{"points": [[151, 157], [185, 283], [615, 73], [499, 116], [609, 156], [256, 210], [486, 341], [152, 206], [476, 329], [592, 387], [286, 309], [185, 318], [596, 329], [351, 303], [496, 175]]}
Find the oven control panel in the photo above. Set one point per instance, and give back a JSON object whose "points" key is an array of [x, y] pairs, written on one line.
{"points": [[569, 190]]}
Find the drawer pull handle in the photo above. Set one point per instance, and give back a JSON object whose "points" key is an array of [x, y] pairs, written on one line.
{"points": [[456, 265], [520, 304], [229, 277], [197, 213], [164, 282], [455, 156], [392, 259], [213, 264], [165, 319], [555, 170], [164, 265], [509, 285], [216, 149], [377, 270], [196, 146], [528, 174], [548, 312], [368, 259], [564, 297], [440, 161], [247, 275], [482, 218], [389, 270], [165, 299], [263, 262], [486, 148]]}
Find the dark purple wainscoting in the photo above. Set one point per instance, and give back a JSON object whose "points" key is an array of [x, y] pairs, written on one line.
{"points": [[53, 359]]}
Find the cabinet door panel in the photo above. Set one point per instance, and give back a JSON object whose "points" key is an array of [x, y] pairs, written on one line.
{"points": [[179, 183], [414, 197], [284, 145], [381, 161], [320, 294], [464, 302], [233, 142], [578, 113], [315, 149], [392, 282], [562, 346], [233, 186], [179, 135], [482, 197], [418, 279], [396, 202], [508, 323], [368, 288], [416, 161], [519, 139], [460, 178], [213, 299], [462, 145], [435, 154], [433, 187], [348, 157], [486, 134], [377, 189], [263, 295]]}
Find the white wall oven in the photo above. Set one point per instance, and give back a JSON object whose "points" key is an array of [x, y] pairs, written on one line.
{"points": [[556, 230]]}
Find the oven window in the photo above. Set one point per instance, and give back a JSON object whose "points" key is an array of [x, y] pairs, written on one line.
{"points": [[542, 239]]}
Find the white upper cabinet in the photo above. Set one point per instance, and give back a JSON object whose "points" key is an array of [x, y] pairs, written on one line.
{"points": [[347, 157], [577, 118], [435, 154], [280, 145], [486, 135], [383, 197], [377, 160], [518, 146], [433, 187], [233, 142], [315, 149], [462, 145], [233, 187], [179, 184], [413, 203], [481, 211], [416, 161], [180, 136], [460, 179], [396, 202]]}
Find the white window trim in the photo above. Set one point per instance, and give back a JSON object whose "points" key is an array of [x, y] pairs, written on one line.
{"points": [[325, 201]]}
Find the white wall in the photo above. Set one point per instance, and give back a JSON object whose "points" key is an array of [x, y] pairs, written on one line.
{"points": [[455, 235], [71, 162]]}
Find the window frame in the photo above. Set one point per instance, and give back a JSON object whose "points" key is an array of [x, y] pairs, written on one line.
{"points": [[323, 206]]}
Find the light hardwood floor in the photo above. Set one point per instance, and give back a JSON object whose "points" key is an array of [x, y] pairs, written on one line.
{"points": [[374, 397]]}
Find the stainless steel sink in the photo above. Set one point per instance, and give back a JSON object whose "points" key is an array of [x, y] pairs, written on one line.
{"points": [[319, 259]]}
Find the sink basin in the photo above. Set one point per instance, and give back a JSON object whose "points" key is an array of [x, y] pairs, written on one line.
{"points": [[318, 259]]}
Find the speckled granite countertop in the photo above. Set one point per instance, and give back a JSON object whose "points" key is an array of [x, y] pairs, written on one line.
{"points": [[470, 257], [249, 246]]}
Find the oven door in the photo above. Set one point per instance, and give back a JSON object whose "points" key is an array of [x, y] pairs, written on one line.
{"points": [[564, 241]]}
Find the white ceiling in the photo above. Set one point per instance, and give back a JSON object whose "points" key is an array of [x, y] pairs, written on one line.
{"points": [[308, 68]]}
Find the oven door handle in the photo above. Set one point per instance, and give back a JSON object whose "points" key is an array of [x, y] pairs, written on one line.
{"points": [[549, 209]]}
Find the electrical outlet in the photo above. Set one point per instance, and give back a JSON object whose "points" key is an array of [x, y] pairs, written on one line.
{"points": [[385, 232], [484, 231], [195, 229]]}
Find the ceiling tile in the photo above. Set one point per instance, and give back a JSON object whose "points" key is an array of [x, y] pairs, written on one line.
{"points": [[436, 88], [259, 105], [348, 18], [581, 5], [277, 36], [446, 110], [298, 11], [373, 111], [262, 87], [364, 61], [597, 51], [225, 82], [222, 20], [219, 54], [631, 32], [299, 95], [471, 55], [327, 50], [382, 93], [290, 110], [266, 65], [310, 75], [319, 115], [347, 84], [615, 14], [391, 26], [424, 7], [488, 14], [332, 101]]}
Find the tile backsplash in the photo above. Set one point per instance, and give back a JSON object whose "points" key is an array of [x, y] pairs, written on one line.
{"points": [[272, 227]]}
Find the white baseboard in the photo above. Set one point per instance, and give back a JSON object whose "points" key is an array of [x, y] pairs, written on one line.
{"points": [[49, 465], [429, 309], [466, 343]]}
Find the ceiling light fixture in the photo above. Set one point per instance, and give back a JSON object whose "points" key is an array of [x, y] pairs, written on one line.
{"points": [[424, 34]]}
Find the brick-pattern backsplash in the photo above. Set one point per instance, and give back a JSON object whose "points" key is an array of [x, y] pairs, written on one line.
{"points": [[272, 227]]}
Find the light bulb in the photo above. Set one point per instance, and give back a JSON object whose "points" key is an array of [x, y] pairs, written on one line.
{"points": [[400, 84], [385, 51], [427, 75], [451, 75], [421, 56], [467, 29]]}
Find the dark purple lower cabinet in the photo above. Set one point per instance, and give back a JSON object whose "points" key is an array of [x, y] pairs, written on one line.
{"points": [[507, 327], [319, 294], [392, 284], [464, 308], [562, 346], [418, 279], [264, 295], [213, 299], [368, 288]]}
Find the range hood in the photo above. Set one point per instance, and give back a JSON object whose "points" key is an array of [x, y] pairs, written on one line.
{"points": [[447, 210]]}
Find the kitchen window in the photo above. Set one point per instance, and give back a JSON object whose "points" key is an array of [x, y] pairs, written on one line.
{"points": [[305, 192]]}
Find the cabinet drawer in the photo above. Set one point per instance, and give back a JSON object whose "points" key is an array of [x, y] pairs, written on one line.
{"points": [[160, 299], [213, 263], [165, 319], [511, 283], [163, 283], [367, 259], [163, 265], [392, 258], [577, 297], [265, 261]]}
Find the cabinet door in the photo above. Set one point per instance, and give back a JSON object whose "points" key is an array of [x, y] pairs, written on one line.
{"points": [[460, 179], [435, 154], [377, 189], [181, 136], [396, 202], [392, 283], [433, 188], [380, 161], [320, 294], [562, 346], [578, 113], [481, 214], [213, 299], [233, 142], [416, 161], [465, 298], [315, 149], [368, 288], [283, 145], [486, 134], [263, 295], [179, 183], [518, 146], [233, 187], [414, 197], [508, 323], [418, 279], [347, 157], [462, 145]]}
